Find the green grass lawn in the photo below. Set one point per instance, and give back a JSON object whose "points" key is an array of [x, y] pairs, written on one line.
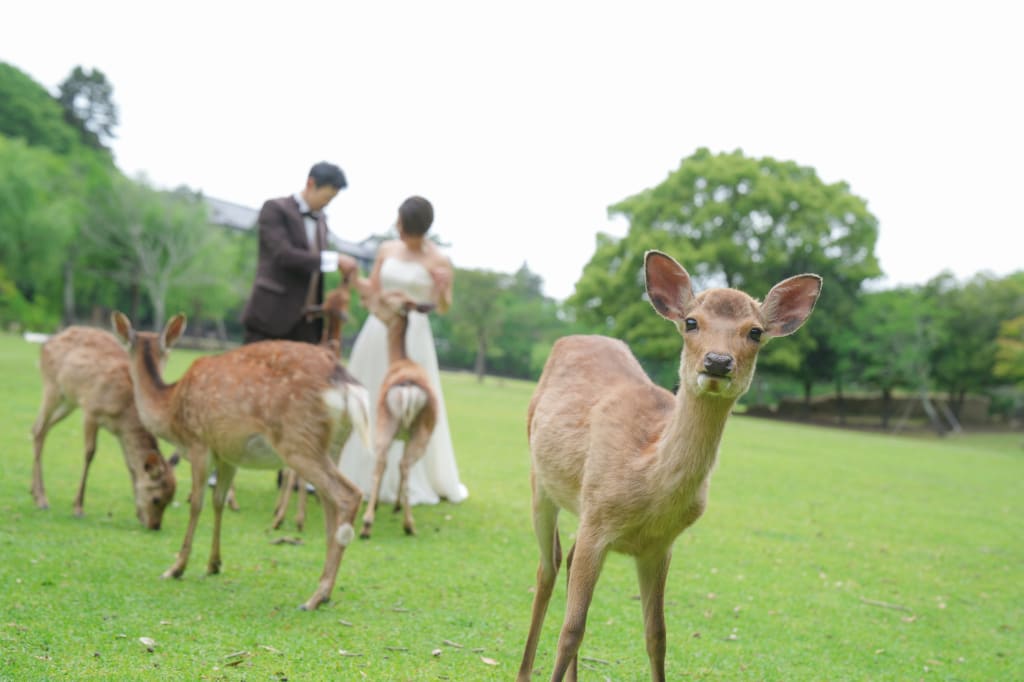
{"points": [[824, 555]]}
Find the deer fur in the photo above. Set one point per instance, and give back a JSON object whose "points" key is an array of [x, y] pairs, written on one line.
{"points": [[627, 457], [334, 310], [87, 368], [253, 407], [406, 405]]}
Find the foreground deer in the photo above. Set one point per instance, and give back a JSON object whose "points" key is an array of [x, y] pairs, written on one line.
{"points": [[254, 407], [406, 406], [335, 312], [631, 460], [88, 368]]}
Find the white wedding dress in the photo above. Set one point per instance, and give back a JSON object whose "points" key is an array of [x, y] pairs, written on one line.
{"points": [[435, 476]]}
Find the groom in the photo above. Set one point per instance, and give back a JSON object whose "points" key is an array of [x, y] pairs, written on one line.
{"points": [[292, 258]]}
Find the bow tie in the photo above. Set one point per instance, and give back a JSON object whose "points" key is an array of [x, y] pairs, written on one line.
{"points": [[311, 214]]}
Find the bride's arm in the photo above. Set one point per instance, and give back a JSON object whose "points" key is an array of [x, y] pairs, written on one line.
{"points": [[443, 275], [368, 286]]}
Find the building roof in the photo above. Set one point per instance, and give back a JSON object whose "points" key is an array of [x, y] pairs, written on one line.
{"points": [[238, 217]]}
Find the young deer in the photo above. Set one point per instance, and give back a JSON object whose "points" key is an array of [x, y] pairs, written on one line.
{"points": [[254, 406], [631, 460], [406, 406], [88, 368], [335, 312]]}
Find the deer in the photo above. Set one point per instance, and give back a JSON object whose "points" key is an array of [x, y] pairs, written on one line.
{"points": [[84, 367], [334, 309], [255, 406], [628, 458], [406, 405]]}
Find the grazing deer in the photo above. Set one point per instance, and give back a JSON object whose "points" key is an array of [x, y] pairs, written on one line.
{"points": [[627, 457], [254, 407], [406, 406], [88, 368], [335, 312]]}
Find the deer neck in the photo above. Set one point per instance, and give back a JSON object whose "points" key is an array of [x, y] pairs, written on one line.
{"points": [[689, 443], [396, 339], [152, 395]]}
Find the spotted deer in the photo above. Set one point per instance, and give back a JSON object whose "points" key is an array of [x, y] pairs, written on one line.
{"points": [[334, 310], [255, 407], [406, 405], [87, 368]]}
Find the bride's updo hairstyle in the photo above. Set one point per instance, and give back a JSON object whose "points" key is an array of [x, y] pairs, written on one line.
{"points": [[417, 215]]}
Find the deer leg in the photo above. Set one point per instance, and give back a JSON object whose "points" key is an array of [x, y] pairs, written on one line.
{"points": [[197, 457], [588, 559], [545, 527], [414, 449], [340, 498], [573, 672], [300, 510], [387, 427], [284, 496], [51, 411], [652, 571], [225, 475], [91, 427]]}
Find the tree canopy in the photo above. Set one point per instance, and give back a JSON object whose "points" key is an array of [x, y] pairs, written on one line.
{"points": [[734, 221]]}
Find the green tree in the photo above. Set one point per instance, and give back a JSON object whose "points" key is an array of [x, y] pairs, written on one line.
{"points": [[970, 316], [477, 314], [154, 242], [891, 345], [36, 219], [1010, 351], [741, 222], [87, 98], [28, 112]]}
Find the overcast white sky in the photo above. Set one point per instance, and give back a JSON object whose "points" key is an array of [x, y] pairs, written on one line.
{"points": [[522, 122]]}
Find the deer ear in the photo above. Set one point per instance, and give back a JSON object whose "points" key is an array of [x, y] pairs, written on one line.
{"points": [[173, 330], [152, 465], [668, 285], [790, 302], [122, 327]]}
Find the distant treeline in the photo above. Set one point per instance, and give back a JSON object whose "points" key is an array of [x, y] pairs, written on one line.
{"points": [[79, 239]]}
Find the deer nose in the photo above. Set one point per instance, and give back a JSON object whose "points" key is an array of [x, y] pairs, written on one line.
{"points": [[718, 364]]}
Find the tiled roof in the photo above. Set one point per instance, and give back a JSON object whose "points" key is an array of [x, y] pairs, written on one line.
{"points": [[238, 217]]}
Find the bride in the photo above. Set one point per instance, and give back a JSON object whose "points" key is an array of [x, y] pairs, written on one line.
{"points": [[415, 265]]}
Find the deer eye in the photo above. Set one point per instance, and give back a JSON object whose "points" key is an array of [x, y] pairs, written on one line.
{"points": [[156, 500], [691, 324], [755, 334]]}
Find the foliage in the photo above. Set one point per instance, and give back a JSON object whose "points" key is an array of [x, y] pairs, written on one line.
{"points": [[36, 218], [87, 100], [498, 323], [18, 314], [891, 346], [856, 565], [28, 112], [970, 317], [156, 242], [1010, 351], [732, 221]]}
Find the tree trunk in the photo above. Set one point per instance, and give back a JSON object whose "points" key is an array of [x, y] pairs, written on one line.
{"points": [[69, 293], [808, 385], [840, 402], [886, 406], [479, 367], [134, 314]]}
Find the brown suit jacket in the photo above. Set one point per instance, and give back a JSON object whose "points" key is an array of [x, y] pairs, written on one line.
{"points": [[286, 269]]}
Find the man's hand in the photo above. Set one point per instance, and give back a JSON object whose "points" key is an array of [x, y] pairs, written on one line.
{"points": [[347, 265]]}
